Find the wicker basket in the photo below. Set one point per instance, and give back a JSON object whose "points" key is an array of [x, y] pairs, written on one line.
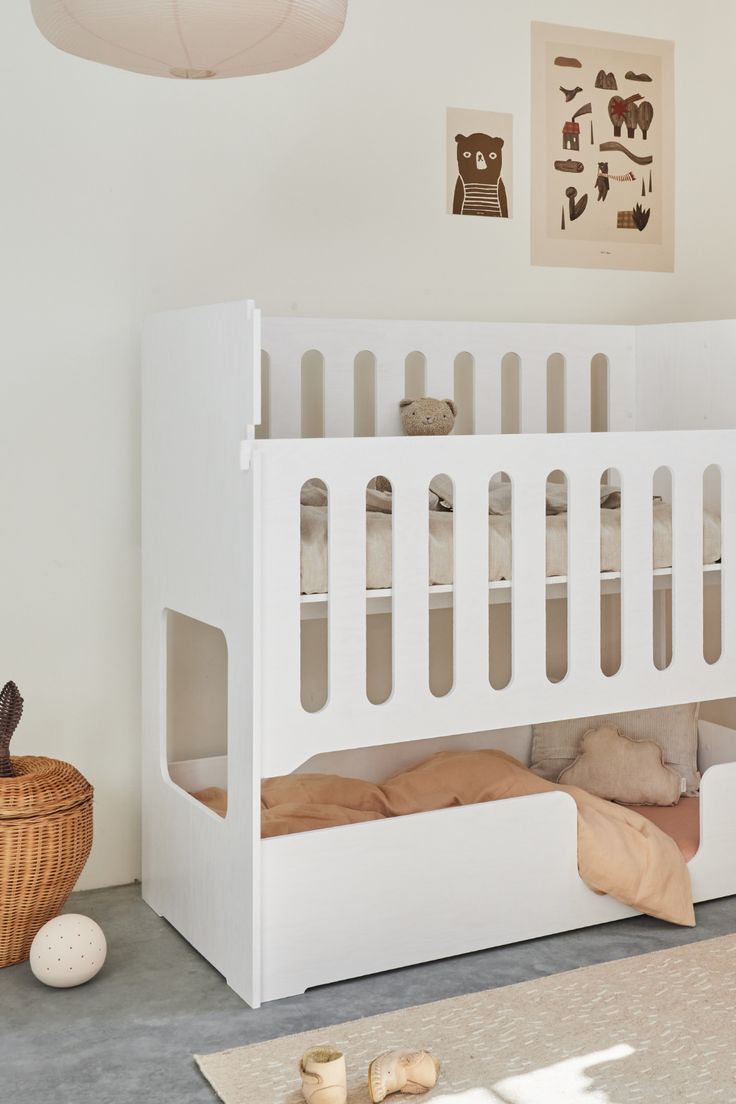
{"points": [[45, 838]]}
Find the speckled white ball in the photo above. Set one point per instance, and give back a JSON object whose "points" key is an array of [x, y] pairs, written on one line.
{"points": [[68, 950]]}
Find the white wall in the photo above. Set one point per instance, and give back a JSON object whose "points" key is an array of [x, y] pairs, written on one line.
{"points": [[315, 191]]}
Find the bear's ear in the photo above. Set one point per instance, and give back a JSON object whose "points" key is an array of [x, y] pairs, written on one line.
{"points": [[500, 142], [459, 137], [406, 402], [452, 407]]}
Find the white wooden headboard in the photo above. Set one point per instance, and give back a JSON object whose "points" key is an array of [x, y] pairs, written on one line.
{"points": [[285, 342]]}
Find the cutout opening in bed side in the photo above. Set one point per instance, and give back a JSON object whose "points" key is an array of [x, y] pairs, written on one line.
{"points": [[263, 431], [379, 678], [364, 394], [441, 536], [464, 393], [712, 580], [415, 376], [662, 586], [313, 394], [196, 666], [501, 599], [511, 393], [610, 553], [556, 372], [314, 632], [556, 610], [599, 393]]}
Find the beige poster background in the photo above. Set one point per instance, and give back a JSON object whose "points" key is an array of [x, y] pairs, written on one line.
{"points": [[465, 121], [605, 232]]}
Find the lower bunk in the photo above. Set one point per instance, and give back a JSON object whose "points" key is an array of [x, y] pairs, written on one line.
{"points": [[361, 898]]}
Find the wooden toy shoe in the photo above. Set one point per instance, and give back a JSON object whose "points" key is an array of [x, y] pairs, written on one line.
{"points": [[324, 1076], [402, 1071]]}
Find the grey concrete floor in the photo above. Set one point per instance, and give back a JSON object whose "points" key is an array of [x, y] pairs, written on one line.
{"points": [[129, 1035]]}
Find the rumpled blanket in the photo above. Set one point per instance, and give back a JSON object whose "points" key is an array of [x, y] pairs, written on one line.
{"points": [[619, 852]]}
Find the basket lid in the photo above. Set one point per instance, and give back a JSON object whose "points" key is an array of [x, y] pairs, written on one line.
{"points": [[41, 786]]}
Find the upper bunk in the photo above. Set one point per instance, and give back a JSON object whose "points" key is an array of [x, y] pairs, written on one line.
{"points": [[632, 400]]}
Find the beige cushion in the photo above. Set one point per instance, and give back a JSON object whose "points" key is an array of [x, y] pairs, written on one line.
{"points": [[674, 727], [621, 769]]}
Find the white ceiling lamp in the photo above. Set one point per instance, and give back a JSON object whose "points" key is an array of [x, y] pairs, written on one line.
{"points": [[192, 39]]}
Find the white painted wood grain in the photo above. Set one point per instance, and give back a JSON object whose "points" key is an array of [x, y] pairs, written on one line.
{"points": [[487, 401], [221, 544], [339, 406], [201, 378]]}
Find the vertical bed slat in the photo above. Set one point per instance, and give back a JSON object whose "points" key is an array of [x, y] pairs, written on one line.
{"points": [[440, 374], [410, 586], [533, 414], [338, 393], [487, 405], [687, 567], [636, 567], [728, 558], [622, 387], [281, 629], [577, 393], [347, 581], [471, 583], [389, 390], [583, 579], [528, 557]]}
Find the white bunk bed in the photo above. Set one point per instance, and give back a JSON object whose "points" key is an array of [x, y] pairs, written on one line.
{"points": [[221, 545]]}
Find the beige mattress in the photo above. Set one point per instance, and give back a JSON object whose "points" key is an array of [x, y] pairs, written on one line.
{"points": [[378, 546]]}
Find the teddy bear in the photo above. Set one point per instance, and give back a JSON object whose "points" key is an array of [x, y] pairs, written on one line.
{"points": [[425, 417]]}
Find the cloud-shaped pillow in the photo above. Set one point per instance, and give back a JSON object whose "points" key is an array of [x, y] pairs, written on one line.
{"points": [[621, 769]]}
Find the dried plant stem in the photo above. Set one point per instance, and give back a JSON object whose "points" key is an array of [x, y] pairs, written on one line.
{"points": [[11, 710]]}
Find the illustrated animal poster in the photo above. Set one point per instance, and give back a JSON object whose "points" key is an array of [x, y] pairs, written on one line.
{"points": [[602, 182], [479, 163]]}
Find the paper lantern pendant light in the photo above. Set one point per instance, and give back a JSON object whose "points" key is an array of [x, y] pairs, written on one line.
{"points": [[192, 39]]}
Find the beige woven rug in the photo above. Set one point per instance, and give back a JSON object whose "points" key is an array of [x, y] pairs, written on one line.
{"points": [[656, 1028]]}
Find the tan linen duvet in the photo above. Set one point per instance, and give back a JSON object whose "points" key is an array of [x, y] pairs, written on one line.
{"points": [[619, 852], [379, 545]]}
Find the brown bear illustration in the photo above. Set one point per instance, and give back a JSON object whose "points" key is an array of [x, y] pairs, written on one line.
{"points": [[479, 189]]}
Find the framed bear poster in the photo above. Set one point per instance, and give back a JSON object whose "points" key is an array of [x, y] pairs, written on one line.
{"points": [[479, 165], [603, 186]]}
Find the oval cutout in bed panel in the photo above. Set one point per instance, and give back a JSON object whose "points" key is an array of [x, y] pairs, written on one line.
{"points": [[314, 632], [556, 604], [664, 568], [196, 701], [599, 393], [379, 674], [556, 374], [511, 393], [263, 431], [464, 389], [500, 591], [712, 580], [441, 537], [313, 394], [364, 394], [610, 562]]}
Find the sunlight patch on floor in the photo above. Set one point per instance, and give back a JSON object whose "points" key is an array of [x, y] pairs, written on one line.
{"points": [[562, 1083]]}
